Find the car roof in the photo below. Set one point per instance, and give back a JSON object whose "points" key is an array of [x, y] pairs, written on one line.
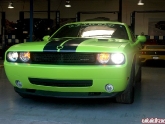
{"points": [[84, 22]]}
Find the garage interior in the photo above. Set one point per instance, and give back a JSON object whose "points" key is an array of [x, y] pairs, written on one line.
{"points": [[149, 94]]}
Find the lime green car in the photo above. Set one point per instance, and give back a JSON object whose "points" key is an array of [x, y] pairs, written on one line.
{"points": [[91, 59]]}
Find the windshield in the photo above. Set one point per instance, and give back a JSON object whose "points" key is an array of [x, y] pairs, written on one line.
{"points": [[92, 30]]}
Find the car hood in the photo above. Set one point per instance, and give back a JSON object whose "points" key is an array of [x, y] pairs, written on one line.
{"points": [[74, 45]]}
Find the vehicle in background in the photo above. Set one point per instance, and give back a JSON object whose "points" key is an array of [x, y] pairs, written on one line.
{"points": [[152, 50]]}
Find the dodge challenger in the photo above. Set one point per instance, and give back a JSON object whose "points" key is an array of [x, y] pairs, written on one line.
{"points": [[90, 59]]}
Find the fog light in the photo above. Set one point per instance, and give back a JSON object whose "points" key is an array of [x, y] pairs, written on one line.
{"points": [[18, 84], [109, 88]]}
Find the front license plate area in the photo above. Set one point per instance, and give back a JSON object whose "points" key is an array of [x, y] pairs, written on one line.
{"points": [[155, 57]]}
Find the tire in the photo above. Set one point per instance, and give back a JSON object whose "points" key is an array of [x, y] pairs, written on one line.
{"points": [[127, 97]]}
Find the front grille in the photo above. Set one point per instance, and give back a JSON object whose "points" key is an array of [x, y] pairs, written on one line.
{"points": [[61, 83], [63, 58], [153, 52]]}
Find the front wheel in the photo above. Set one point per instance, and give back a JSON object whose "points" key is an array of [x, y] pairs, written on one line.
{"points": [[127, 97]]}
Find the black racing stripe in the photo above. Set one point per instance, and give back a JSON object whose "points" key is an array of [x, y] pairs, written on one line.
{"points": [[52, 45], [72, 45]]}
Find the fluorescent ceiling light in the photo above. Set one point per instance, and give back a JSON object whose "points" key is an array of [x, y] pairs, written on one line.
{"points": [[97, 33], [140, 2], [10, 6], [67, 3]]}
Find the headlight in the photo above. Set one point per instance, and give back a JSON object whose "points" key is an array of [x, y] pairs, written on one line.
{"points": [[24, 56], [103, 58], [20, 57], [12, 56], [117, 58]]}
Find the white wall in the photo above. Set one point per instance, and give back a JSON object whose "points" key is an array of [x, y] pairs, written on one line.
{"points": [[142, 19], [89, 5]]}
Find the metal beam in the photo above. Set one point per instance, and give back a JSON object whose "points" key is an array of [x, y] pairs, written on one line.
{"points": [[120, 11], [3, 18], [31, 20], [49, 13]]}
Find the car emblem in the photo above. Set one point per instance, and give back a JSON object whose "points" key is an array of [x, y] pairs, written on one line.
{"points": [[155, 52], [59, 47]]}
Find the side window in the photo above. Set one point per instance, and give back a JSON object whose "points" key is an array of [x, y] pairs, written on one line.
{"points": [[120, 32], [133, 36]]}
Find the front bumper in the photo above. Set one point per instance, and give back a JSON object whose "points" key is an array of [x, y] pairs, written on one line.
{"points": [[43, 93], [116, 75], [144, 58]]}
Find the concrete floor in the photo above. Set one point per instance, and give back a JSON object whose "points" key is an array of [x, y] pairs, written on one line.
{"points": [[149, 103]]}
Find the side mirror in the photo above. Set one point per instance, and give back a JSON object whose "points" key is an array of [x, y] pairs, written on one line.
{"points": [[141, 38], [46, 38]]}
